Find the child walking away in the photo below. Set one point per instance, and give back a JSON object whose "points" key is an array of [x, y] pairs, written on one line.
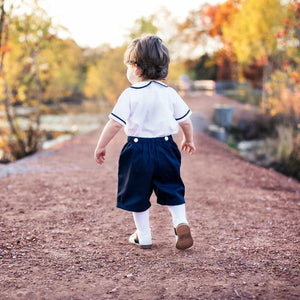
{"points": [[151, 112]]}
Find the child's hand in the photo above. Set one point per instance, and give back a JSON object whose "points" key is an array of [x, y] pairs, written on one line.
{"points": [[99, 155], [188, 146]]}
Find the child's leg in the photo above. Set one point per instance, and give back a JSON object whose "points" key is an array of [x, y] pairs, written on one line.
{"points": [[183, 235], [142, 223], [178, 214]]}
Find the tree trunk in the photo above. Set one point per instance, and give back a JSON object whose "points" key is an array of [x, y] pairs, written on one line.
{"points": [[9, 117], [33, 135], [37, 88], [266, 75], [7, 102], [1, 32]]}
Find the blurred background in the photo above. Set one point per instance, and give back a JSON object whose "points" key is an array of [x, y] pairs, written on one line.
{"points": [[62, 70]]}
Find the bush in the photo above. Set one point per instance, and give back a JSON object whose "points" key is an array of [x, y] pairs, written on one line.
{"points": [[290, 166], [246, 94]]}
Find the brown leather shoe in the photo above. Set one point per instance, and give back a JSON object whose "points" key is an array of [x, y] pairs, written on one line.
{"points": [[184, 237]]}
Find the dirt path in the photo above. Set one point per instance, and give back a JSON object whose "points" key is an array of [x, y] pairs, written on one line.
{"points": [[61, 236]]}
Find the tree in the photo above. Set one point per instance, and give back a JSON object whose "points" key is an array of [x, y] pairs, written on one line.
{"points": [[142, 26], [100, 82], [252, 33], [284, 85], [4, 48], [61, 68], [205, 27], [25, 72], [205, 67]]}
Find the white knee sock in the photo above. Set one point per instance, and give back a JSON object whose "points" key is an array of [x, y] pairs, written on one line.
{"points": [[178, 214], [142, 223]]}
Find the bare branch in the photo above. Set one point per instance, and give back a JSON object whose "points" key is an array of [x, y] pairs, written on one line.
{"points": [[2, 21]]}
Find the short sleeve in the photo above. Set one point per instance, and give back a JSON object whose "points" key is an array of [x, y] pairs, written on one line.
{"points": [[181, 110], [121, 110]]}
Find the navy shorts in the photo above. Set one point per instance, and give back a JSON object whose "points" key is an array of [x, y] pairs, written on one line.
{"points": [[147, 165]]}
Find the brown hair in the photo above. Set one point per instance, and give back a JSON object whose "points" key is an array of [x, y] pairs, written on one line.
{"points": [[151, 55]]}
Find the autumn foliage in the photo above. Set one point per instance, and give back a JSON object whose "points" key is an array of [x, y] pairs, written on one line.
{"points": [[209, 21], [215, 16], [284, 86], [254, 40]]}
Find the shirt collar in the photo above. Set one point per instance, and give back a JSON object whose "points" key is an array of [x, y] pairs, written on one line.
{"points": [[142, 84]]}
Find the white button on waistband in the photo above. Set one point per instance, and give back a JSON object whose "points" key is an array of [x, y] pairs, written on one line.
{"points": [[136, 140], [166, 138]]}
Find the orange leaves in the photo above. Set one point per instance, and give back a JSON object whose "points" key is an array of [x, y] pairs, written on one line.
{"points": [[210, 18], [288, 23], [284, 93], [296, 76], [263, 60], [295, 7], [286, 65], [291, 24], [6, 48], [186, 24], [214, 16], [281, 34]]}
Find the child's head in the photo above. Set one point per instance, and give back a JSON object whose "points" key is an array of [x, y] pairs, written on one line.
{"points": [[150, 55]]}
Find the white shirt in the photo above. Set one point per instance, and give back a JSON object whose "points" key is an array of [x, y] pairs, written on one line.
{"points": [[150, 109]]}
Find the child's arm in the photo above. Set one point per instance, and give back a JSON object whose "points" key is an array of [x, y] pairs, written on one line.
{"points": [[187, 143], [109, 131]]}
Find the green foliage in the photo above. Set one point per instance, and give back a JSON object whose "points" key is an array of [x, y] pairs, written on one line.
{"points": [[143, 26], [204, 67], [231, 142], [244, 93]]}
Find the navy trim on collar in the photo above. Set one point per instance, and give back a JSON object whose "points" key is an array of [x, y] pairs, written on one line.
{"points": [[143, 86], [160, 83], [140, 87], [183, 116]]}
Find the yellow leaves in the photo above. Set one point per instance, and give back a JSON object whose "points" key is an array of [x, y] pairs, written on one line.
{"points": [[252, 30], [107, 78], [2, 92], [284, 93], [93, 87], [175, 71], [22, 92], [4, 143]]}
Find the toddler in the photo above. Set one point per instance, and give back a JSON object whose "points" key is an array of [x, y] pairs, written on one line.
{"points": [[150, 112]]}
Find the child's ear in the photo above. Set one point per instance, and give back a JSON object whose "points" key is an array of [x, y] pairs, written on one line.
{"points": [[138, 71]]}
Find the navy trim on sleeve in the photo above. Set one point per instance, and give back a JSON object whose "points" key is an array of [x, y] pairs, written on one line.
{"points": [[183, 116], [118, 118]]}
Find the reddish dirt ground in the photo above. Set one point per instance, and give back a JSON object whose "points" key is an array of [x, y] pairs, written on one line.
{"points": [[61, 236]]}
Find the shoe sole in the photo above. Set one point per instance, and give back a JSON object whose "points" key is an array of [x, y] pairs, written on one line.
{"points": [[141, 246], [145, 246], [185, 239], [134, 241]]}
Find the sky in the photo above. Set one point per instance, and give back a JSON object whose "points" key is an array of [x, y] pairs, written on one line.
{"points": [[94, 22]]}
